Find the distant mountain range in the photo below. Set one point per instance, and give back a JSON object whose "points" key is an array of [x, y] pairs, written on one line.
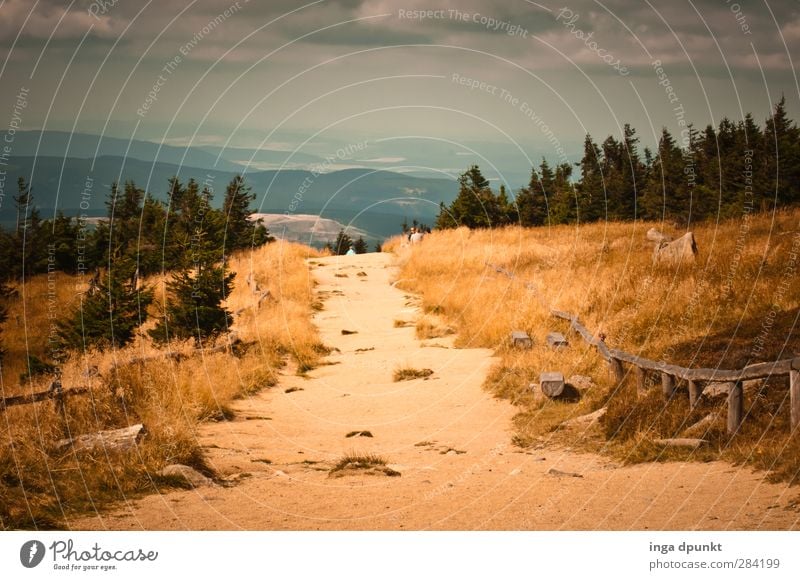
{"points": [[374, 201]]}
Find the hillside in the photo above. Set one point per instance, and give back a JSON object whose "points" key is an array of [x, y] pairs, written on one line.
{"points": [[363, 196], [171, 390], [394, 432], [735, 304]]}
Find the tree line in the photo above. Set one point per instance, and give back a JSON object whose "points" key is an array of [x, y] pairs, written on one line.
{"points": [[717, 172], [184, 237]]}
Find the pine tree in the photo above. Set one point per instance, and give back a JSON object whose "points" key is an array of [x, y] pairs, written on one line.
{"points": [[633, 172], [565, 199], [360, 246], [342, 243], [591, 192], [194, 308], [665, 196], [30, 245], [506, 213], [532, 202], [782, 143], [4, 293], [475, 206], [62, 235], [109, 312], [240, 230]]}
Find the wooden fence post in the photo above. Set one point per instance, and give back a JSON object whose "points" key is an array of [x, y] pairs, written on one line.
{"points": [[735, 407], [641, 382], [616, 369], [794, 397], [667, 385], [695, 390]]}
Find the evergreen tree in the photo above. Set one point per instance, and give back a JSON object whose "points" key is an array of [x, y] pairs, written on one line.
{"points": [[196, 292], [194, 309], [109, 312], [782, 143], [4, 293], [29, 242], [240, 230], [633, 172], [62, 236], [342, 243], [445, 220], [532, 202], [591, 191], [665, 196], [360, 246], [475, 206], [506, 211]]}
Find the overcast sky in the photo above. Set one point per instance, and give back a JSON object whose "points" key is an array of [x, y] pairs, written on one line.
{"points": [[280, 74]]}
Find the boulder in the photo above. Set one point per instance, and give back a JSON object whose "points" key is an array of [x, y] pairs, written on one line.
{"points": [[701, 426], [684, 248], [123, 439], [684, 442], [187, 474], [552, 384], [585, 420], [557, 341], [655, 236], [581, 382], [712, 390]]}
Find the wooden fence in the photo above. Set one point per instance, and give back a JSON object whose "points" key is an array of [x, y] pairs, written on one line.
{"points": [[60, 395], [697, 379], [54, 393]]}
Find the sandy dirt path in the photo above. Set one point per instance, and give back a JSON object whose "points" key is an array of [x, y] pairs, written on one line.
{"points": [[448, 439]]}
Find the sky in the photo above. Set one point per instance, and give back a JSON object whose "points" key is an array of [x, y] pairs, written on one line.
{"points": [[403, 84]]}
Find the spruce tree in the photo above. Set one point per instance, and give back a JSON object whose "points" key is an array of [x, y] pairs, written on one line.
{"points": [[532, 202], [4, 293], [475, 206], [591, 189], [30, 243], [360, 246], [342, 243], [240, 230], [109, 312], [196, 292]]}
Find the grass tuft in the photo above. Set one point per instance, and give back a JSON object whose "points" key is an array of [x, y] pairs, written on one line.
{"points": [[353, 462], [409, 373]]}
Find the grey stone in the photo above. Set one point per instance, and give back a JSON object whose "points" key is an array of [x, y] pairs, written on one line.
{"points": [[552, 383], [684, 248], [520, 339], [656, 236], [581, 382], [556, 340], [685, 442], [186, 473]]}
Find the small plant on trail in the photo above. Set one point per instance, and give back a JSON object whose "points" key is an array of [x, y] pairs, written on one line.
{"points": [[369, 463], [410, 373]]}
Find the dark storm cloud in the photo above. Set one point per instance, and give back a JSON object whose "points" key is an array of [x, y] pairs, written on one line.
{"points": [[570, 45], [700, 32]]}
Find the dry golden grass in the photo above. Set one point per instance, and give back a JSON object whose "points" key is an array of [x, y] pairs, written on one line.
{"points": [[407, 373], [40, 486], [431, 326], [736, 304]]}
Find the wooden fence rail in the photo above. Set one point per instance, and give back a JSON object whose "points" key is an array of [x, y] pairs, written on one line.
{"points": [[59, 395], [696, 378]]}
